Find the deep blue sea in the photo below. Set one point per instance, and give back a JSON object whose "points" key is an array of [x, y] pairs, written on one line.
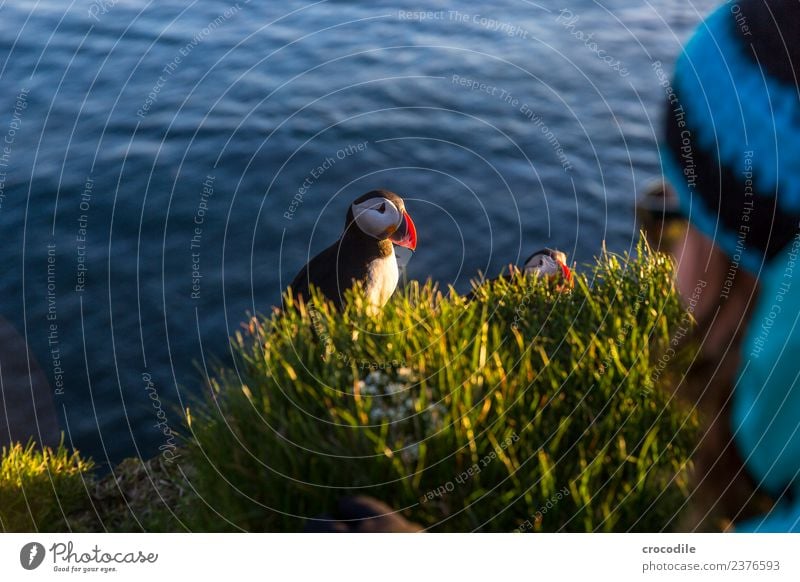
{"points": [[154, 154]]}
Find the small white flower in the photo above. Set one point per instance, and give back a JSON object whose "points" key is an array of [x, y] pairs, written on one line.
{"points": [[395, 387], [376, 377]]}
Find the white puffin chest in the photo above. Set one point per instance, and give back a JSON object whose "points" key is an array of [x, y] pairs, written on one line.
{"points": [[382, 278]]}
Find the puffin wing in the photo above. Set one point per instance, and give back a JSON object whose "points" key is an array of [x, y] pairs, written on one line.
{"points": [[299, 286], [321, 272]]}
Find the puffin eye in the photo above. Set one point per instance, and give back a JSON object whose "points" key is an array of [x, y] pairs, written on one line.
{"points": [[382, 208]]}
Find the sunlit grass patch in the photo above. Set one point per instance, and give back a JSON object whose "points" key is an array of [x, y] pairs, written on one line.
{"points": [[41, 487]]}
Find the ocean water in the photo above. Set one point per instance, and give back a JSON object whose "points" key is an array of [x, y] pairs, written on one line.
{"points": [[167, 167]]}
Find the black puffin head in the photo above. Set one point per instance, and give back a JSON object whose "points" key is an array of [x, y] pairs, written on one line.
{"points": [[381, 215], [548, 262]]}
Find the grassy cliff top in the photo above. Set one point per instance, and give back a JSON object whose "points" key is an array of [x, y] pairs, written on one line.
{"points": [[528, 408]]}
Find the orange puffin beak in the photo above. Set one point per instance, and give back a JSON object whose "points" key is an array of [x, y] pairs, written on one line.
{"points": [[566, 271], [406, 233]]}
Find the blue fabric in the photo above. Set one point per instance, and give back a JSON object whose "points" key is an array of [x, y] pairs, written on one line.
{"points": [[784, 518], [735, 107], [766, 399], [732, 107]]}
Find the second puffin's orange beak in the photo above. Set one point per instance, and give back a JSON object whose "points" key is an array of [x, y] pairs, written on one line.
{"points": [[566, 271], [406, 233]]}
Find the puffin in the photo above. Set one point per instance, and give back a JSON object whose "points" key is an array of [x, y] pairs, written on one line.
{"points": [[550, 263], [547, 262], [364, 253]]}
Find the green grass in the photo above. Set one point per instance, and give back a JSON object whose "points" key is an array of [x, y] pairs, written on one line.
{"points": [[41, 488], [50, 490], [527, 408]]}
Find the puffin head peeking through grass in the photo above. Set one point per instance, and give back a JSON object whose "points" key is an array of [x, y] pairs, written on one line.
{"points": [[364, 254], [549, 263]]}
